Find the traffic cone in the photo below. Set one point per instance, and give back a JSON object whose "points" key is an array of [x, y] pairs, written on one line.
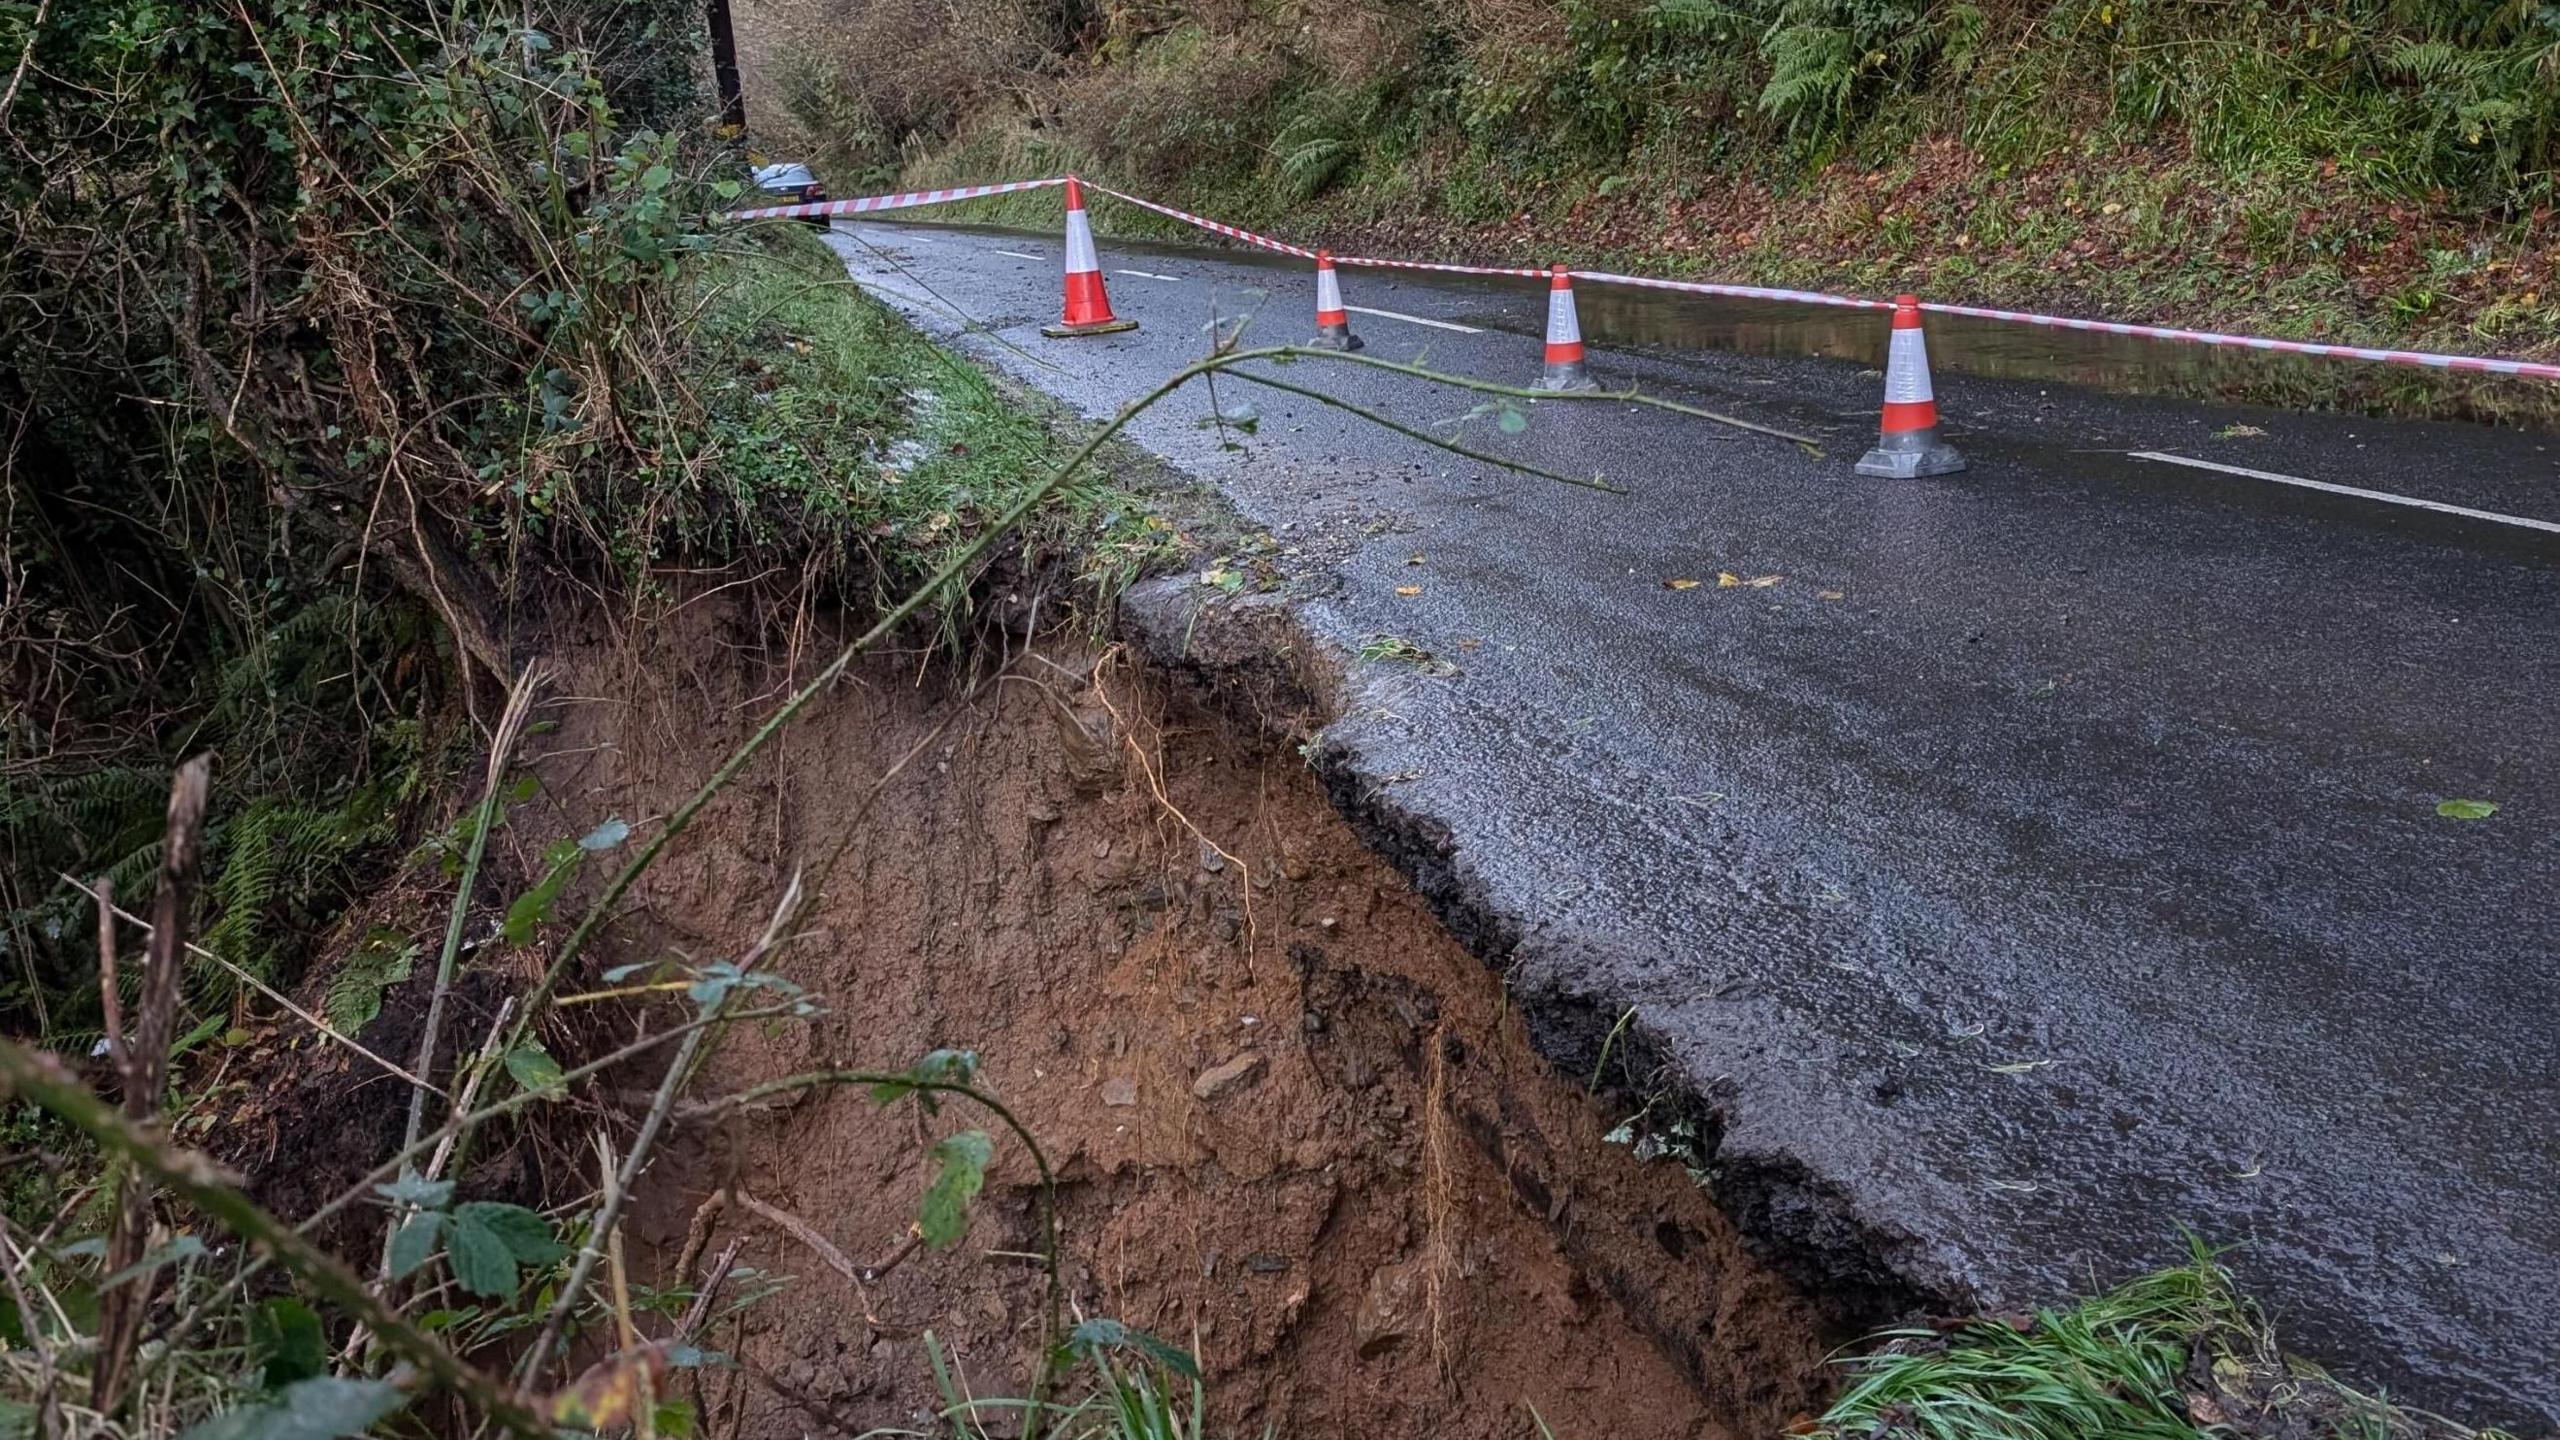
{"points": [[1909, 446], [1088, 304], [1564, 339], [1333, 326]]}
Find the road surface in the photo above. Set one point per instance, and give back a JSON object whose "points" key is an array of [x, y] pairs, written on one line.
{"points": [[2047, 860]]}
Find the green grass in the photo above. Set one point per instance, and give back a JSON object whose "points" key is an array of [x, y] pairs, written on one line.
{"points": [[2106, 1367], [833, 429], [2175, 1355]]}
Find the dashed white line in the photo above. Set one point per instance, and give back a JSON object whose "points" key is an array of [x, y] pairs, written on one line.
{"points": [[1018, 255], [1415, 320], [2385, 496], [1149, 275]]}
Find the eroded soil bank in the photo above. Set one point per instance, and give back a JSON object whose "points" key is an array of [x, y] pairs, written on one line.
{"points": [[1298, 1127]]}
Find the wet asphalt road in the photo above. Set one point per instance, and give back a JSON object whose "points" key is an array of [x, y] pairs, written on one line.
{"points": [[2072, 878]]}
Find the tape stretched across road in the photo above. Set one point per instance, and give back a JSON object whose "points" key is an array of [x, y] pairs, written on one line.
{"points": [[2532, 368], [1741, 292], [867, 204], [2473, 364], [1214, 227], [1377, 263]]}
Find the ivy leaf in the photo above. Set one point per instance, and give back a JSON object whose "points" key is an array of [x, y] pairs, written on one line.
{"points": [[2467, 809], [534, 1069], [414, 1243], [526, 1235], [321, 1408], [963, 1158], [481, 1259], [289, 1343]]}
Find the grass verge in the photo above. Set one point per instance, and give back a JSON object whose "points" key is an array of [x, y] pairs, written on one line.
{"points": [[2175, 1355]]}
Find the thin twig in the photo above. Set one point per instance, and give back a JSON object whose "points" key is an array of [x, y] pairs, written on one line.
{"points": [[110, 987], [708, 1291], [1412, 433], [610, 1211], [35, 27], [121, 1308], [807, 1234], [501, 751]]}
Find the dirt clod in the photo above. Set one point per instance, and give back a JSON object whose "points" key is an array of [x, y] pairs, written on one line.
{"points": [[1219, 1079]]}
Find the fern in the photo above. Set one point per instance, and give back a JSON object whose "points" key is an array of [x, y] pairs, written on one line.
{"points": [[1321, 141]]}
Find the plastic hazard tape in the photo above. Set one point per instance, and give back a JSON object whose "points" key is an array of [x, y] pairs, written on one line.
{"points": [[2481, 364], [2475, 364], [1743, 292], [1212, 226], [866, 204], [1379, 263]]}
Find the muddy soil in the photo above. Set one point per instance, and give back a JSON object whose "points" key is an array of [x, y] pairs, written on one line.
{"points": [[1296, 1125]]}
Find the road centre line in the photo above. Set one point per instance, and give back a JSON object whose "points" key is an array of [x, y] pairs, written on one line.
{"points": [[1415, 319], [2358, 492]]}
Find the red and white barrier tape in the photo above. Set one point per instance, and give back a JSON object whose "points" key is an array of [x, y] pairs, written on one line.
{"points": [[1377, 263], [866, 204], [2532, 369], [1744, 292], [1205, 223]]}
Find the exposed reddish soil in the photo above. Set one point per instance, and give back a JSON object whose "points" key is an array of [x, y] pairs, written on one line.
{"points": [[1393, 1215]]}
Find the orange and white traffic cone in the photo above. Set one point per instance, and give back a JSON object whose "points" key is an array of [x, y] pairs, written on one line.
{"points": [[1564, 338], [1088, 304], [1333, 326], [1908, 446]]}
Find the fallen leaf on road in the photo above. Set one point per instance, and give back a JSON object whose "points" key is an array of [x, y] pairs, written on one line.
{"points": [[1680, 584], [1835, 595], [1416, 560], [2467, 809], [1726, 580], [1408, 589], [1763, 582]]}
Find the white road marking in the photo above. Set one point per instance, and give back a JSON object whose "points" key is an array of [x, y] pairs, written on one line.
{"points": [[1415, 319], [2360, 493], [1149, 275], [1018, 255]]}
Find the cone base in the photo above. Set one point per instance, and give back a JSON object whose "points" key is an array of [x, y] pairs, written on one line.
{"points": [[1913, 463], [1565, 377], [1336, 337], [1098, 327]]}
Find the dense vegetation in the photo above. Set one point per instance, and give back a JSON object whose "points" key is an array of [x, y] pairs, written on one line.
{"points": [[2322, 166], [343, 346], [332, 339]]}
